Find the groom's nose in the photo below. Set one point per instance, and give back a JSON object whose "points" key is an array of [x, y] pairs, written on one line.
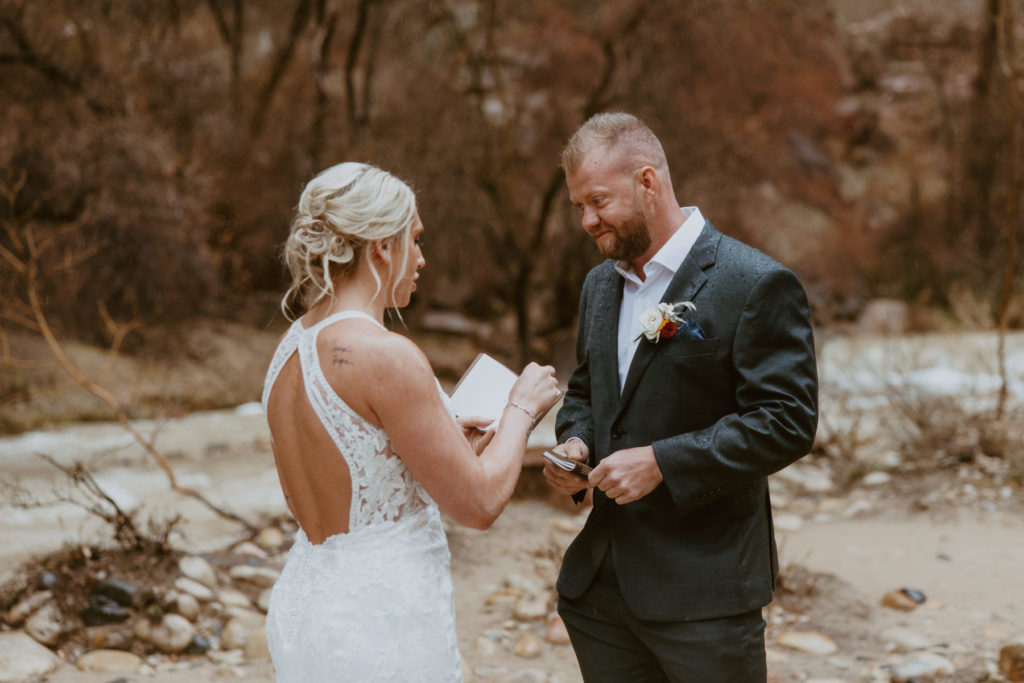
{"points": [[589, 219]]}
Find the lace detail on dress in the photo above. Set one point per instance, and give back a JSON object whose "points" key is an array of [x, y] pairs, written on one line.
{"points": [[375, 603]]}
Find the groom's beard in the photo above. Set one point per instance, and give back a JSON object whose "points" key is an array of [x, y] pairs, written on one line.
{"points": [[632, 239]]}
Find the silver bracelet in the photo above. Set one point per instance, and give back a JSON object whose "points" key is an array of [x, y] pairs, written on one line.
{"points": [[533, 417]]}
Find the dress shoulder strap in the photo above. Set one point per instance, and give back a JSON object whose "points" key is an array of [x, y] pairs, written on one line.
{"points": [[342, 315], [282, 353]]}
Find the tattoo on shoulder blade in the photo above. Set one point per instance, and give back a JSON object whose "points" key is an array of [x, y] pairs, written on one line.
{"points": [[337, 354]]}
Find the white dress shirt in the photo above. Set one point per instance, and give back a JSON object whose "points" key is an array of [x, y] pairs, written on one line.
{"points": [[639, 295]]}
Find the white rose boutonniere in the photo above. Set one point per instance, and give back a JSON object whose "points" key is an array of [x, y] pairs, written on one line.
{"points": [[665, 320]]}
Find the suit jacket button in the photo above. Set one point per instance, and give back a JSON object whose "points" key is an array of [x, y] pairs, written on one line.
{"points": [[616, 433]]}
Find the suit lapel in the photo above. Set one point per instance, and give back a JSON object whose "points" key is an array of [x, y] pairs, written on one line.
{"points": [[604, 350], [685, 285]]}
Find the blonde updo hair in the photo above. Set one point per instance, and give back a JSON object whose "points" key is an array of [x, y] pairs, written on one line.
{"points": [[341, 211]]}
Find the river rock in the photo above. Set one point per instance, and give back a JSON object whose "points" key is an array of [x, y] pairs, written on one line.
{"points": [[110, 637], [557, 634], [198, 569], [532, 608], [22, 658], [899, 600], [121, 592], [524, 583], [507, 596], [195, 589], [923, 666], [24, 609], [255, 646], [528, 646], [811, 642], [172, 635], [1011, 662], [810, 478], [904, 640], [46, 624], [876, 478], [184, 604], [270, 538], [103, 610], [261, 577], [263, 601], [484, 646], [110, 662], [250, 549], [237, 630], [235, 598]]}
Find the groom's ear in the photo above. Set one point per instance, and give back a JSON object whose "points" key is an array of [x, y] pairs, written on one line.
{"points": [[649, 181]]}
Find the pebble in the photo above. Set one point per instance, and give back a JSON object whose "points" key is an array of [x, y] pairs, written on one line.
{"points": [[924, 665], [256, 648], [22, 658], [263, 601], [172, 635], [198, 569], [110, 637], [270, 538], [857, 507], [230, 596], [904, 640], [557, 634], [261, 577], [811, 642], [184, 604], [110, 662], [528, 646], [899, 600], [787, 522], [24, 609], [1011, 662], [810, 478], [503, 597], [195, 589], [121, 592], [250, 549], [532, 608], [484, 646], [568, 525], [876, 478], [103, 610], [524, 584], [46, 624]]}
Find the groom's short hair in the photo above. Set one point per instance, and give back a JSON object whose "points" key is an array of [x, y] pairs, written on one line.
{"points": [[619, 132]]}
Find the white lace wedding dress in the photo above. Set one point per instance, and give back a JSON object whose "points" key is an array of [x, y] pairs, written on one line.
{"points": [[375, 603]]}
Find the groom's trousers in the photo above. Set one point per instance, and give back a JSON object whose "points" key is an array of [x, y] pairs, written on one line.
{"points": [[614, 646]]}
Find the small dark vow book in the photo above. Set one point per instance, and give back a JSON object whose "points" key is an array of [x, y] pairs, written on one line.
{"points": [[578, 468]]}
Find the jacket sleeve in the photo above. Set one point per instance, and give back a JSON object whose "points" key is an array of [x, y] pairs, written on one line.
{"points": [[776, 398]]}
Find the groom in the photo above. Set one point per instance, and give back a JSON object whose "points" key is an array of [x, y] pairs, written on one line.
{"points": [[683, 413]]}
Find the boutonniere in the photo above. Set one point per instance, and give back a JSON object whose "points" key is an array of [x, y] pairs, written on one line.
{"points": [[665, 320]]}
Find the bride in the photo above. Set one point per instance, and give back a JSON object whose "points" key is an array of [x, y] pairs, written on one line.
{"points": [[367, 450]]}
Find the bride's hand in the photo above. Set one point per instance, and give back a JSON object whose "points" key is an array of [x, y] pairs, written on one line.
{"points": [[536, 390], [476, 431]]}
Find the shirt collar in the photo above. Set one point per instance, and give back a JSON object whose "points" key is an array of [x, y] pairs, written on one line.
{"points": [[672, 254]]}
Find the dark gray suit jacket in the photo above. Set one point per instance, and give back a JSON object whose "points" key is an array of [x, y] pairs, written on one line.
{"points": [[722, 414]]}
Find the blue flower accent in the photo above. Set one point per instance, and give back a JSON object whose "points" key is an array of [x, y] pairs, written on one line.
{"points": [[693, 329]]}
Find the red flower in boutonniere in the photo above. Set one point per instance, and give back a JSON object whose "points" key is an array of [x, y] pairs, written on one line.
{"points": [[664, 322]]}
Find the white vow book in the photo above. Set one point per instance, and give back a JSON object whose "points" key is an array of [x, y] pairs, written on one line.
{"points": [[483, 389]]}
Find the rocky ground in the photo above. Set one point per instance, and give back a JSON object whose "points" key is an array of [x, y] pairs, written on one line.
{"points": [[901, 543]]}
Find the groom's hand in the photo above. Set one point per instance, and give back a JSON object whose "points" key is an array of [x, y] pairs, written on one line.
{"points": [[559, 479], [627, 475]]}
